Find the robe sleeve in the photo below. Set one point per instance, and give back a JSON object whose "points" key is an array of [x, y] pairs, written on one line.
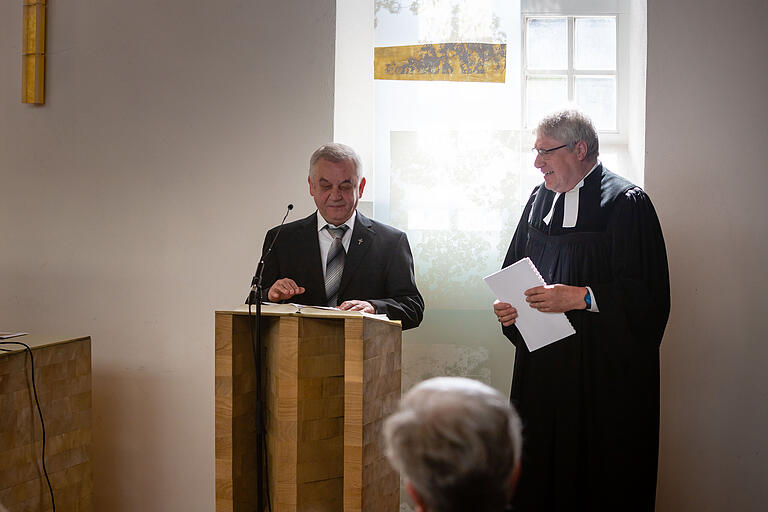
{"points": [[639, 294], [515, 253]]}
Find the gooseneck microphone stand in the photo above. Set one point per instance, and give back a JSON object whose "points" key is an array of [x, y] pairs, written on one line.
{"points": [[257, 291]]}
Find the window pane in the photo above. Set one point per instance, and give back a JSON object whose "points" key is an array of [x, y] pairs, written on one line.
{"points": [[544, 94], [546, 43], [596, 96], [595, 43]]}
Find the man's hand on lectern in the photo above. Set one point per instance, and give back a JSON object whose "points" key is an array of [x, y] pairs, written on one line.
{"points": [[284, 289], [357, 305]]}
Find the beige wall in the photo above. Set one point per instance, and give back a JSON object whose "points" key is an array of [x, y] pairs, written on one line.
{"points": [[135, 201], [707, 173], [133, 205]]}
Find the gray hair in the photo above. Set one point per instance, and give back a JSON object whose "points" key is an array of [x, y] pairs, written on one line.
{"points": [[570, 126], [458, 442], [335, 152]]}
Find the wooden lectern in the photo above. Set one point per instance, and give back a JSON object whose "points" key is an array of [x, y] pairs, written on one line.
{"points": [[330, 382], [63, 379]]}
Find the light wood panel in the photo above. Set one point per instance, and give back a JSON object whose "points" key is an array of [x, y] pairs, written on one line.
{"points": [[320, 462], [306, 365], [63, 377], [235, 416], [372, 377]]}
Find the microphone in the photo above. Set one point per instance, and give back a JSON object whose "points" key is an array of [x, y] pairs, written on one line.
{"points": [[256, 281], [262, 464]]}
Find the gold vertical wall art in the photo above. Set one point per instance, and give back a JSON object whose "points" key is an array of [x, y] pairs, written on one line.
{"points": [[33, 52]]}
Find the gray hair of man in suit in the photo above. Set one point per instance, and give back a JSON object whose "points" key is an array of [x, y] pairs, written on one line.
{"points": [[570, 126], [335, 152], [457, 444]]}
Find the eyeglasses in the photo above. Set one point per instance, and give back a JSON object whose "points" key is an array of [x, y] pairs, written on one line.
{"points": [[545, 152]]}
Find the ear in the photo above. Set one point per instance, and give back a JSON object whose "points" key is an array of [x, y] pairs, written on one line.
{"points": [[415, 497], [311, 186], [361, 187], [581, 150]]}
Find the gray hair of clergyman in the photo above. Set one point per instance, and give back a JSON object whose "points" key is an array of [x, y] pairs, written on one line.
{"points": [[458, 442], [335, 152], [571, 126]]}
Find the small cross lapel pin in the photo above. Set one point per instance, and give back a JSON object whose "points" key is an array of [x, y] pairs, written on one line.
{"points": [[359, 241]]}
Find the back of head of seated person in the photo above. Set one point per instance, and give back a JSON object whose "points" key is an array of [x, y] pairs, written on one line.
{"points": [[457, 444]]}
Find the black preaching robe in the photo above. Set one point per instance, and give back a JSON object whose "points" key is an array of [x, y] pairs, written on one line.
{"points": [[590, 402]]}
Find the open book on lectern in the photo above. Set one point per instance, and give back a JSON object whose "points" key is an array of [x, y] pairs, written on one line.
{"points": [[537, 328], [303, 309]]}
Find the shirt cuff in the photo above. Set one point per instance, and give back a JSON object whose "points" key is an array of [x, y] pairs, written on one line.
{"points": [[593, 307]]}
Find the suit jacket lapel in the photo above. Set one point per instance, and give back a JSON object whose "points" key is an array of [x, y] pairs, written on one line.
{"points": [[362, 239], [310, 247]]}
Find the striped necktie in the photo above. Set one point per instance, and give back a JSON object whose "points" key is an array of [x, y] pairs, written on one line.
{"points": [[334, 265]]}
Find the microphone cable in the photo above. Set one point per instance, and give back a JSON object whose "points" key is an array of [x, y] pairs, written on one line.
{"points": [[261, 427], [39, 411], [260, 419]]}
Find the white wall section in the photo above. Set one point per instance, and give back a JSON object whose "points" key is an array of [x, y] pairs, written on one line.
{"points": [[705, 169], [134, 203]]}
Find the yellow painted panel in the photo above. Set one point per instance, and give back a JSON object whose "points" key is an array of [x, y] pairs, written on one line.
{"points": [[28, 81], [33, 52], [33, 30], [33, 79], [456, 62], [29, 30]]}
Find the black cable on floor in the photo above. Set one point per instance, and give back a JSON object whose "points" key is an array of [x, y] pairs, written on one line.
{"points": [[39, 411]]}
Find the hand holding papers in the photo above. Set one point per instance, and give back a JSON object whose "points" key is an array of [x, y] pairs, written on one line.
{"points": [[538, 329]]}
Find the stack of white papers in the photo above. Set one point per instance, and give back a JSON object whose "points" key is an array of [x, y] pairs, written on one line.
{"points": [[538, 329]]}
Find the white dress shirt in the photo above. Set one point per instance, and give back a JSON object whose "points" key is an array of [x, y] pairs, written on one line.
{"points": [[326, 239]]}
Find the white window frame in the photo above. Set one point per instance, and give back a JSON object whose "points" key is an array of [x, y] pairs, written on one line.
{"points": [[618, 135]]}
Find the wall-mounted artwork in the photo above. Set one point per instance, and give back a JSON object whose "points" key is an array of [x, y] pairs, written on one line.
{"points": [[456, 62], [33, 52]]}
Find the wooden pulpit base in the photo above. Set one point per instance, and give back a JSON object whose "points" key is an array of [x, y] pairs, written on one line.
{"points": [[330, 382]]}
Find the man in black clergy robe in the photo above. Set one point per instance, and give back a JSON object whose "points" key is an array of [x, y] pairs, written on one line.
{"points": [[589, 402], [376, 263]]}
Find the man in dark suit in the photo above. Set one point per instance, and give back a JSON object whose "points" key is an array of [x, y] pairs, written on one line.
{"points": [[339, 257]]}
